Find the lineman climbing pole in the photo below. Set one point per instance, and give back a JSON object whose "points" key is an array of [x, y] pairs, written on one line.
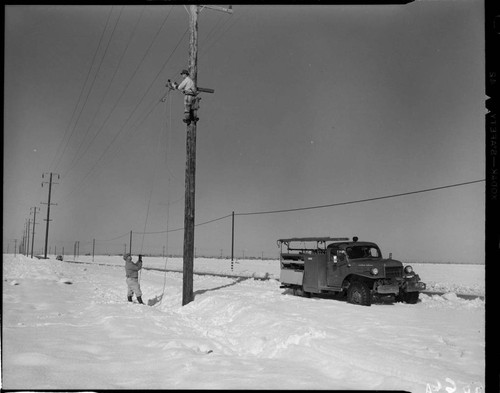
{"points": [[188, 252]]}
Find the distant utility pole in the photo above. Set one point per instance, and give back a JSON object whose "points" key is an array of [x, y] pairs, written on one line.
{"points": [[188, 253], [48, 210], [232, 238], [33, 235], [27, 251], [23, 240]]}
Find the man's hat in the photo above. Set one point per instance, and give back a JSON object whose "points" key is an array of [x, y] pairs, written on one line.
{"points": [[185, 72]]}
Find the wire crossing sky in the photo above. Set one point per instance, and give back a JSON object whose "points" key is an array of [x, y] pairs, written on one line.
{"points": [[316, 109]]}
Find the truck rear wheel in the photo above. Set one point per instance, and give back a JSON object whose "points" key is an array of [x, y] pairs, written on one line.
{"points": [[300, 292], [359, 293]]}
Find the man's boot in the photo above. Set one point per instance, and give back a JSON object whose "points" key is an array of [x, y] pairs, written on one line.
{"points": [[139, 299], [129, 298]]}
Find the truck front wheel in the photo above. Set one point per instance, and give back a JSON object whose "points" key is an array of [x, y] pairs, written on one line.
{"points": [[359, 293]]}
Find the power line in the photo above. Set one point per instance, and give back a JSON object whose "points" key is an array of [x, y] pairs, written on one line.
{"points": [[128, 84], [82, 90], [361, 200], [91, 87], [76, 158], [131, 114], [298, 209], [319, 206]]}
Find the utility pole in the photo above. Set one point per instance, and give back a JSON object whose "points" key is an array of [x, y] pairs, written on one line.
{"points": [[48, 211], [232, 238], [33, 235], [28, 237], [21, 247], [189, 199]]}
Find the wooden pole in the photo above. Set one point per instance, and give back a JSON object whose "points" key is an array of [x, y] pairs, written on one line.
{"points": [[232, 239], [33, 234], [48, 219], [189, 199], [48, 214], [28, 238]]}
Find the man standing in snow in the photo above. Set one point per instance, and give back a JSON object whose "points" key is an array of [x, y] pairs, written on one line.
{"points": [[187, 87], [132, 272]]}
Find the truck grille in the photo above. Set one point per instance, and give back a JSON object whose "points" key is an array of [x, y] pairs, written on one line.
{"points": [[393, 271]]}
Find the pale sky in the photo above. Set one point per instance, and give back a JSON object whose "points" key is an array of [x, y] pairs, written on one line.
{"points": [[313, 105]]}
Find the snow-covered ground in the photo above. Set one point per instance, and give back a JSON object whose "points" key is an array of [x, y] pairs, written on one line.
{"points": [[69, 326]]}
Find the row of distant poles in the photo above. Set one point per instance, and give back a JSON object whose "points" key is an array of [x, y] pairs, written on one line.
{"points": [[29, 230], [189, 209]]}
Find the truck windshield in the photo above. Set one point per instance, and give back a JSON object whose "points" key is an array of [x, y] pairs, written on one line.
{"points": [[356, 252]]}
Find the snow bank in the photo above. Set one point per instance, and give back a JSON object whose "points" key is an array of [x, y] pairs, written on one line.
{"points": [[238, 333]]}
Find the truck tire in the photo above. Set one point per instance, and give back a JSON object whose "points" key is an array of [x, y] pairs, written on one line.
{"points": [[300, 292], [359, 293]]}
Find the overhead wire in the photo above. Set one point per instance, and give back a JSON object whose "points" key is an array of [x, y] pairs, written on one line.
{"points": [[76, 158], [83, 88], [333, 204], [90, 88], [361, 200], [128, 119], [133, 74], [81, 184]]}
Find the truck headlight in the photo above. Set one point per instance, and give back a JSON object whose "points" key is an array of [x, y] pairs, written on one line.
{"points": [[374, 271], [408, 269]]}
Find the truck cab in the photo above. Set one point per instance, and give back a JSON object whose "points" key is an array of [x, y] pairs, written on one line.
{"points": [[354, 268]]}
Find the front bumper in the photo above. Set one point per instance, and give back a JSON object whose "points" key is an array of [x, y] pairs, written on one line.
{"points": [[387, 289]]}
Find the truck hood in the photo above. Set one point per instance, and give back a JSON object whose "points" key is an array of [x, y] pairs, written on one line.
{"points": [[376, 262]]}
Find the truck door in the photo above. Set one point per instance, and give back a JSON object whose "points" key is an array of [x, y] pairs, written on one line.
{"points": [[335, 268]]}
